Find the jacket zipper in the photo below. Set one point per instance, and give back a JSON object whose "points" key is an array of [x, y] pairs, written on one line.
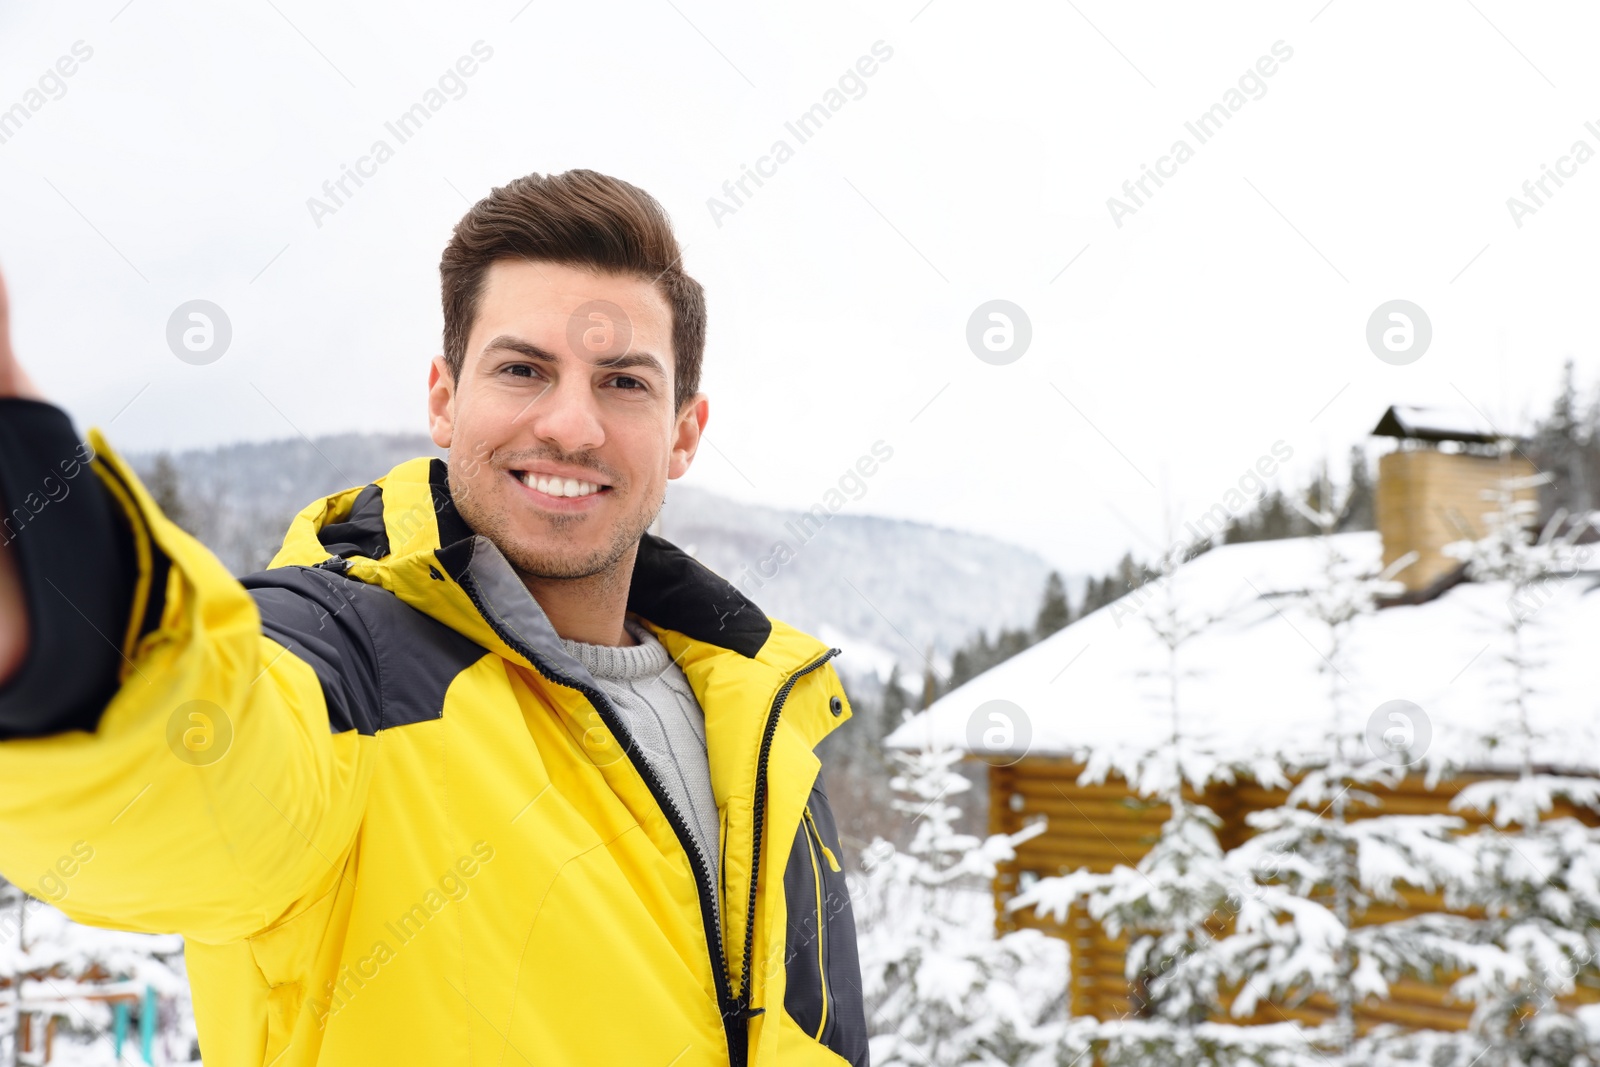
{"points": [[735, 1009], [733, 1018], [822, 939], [759, 802]]}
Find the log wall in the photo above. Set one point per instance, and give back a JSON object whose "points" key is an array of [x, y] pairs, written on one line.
{"points": [[1097, 827]]}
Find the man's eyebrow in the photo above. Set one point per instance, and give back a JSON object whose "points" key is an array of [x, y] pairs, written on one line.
{"points": [[518, 345], [533, 351]]}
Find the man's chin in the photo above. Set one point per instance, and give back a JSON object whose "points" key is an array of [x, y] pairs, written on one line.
{"points": [[545, 572], [533, 558]]}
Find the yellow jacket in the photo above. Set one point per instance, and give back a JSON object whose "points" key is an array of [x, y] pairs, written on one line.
{"points": [[398, 824]]}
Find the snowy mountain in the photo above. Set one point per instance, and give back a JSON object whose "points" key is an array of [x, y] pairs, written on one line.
{"points": [[880, 589]]}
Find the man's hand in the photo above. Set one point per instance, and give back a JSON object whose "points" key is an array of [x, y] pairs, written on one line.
{"points": [[13, 609], [13, 381]]}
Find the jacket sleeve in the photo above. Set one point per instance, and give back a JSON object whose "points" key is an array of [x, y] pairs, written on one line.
{"points": [[77, 569], [186, 761]]}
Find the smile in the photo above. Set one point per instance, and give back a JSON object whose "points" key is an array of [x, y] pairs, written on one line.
{"points": [[548, 490]]}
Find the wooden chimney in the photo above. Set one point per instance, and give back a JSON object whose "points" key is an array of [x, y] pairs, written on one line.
{"points": [[1436, 487]]}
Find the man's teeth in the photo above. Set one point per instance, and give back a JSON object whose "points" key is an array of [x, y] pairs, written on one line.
{"points": [[559, 486]]}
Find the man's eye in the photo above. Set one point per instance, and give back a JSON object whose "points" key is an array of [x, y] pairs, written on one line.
{"points": [[520, 370], [635, 383]]}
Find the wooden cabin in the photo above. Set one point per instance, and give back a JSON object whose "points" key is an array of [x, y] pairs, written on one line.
{"points": [[1096, 827], [1250, 687]]}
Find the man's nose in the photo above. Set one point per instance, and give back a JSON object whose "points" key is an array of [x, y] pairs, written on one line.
{"points": [[567, 415]]}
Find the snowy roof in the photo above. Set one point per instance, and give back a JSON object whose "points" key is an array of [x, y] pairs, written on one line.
{"points": [[1254, 685], [1435, 424]]}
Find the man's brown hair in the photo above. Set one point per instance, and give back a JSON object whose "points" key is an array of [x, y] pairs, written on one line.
{"points": [[579, 218]]}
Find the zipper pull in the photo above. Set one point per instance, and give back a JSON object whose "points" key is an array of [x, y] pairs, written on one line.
{"points": [[816, 831]]}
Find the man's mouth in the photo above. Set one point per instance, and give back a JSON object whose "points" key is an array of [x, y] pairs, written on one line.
{"points": [[559, 487]]}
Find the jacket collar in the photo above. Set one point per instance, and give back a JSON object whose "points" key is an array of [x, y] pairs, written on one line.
{"points": [[404, 532]]}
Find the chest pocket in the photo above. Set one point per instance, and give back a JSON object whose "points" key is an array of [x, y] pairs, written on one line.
{"points": [[822, 988]]}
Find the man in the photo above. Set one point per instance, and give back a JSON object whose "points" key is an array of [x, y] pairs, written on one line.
{"points": [[479, 770]]}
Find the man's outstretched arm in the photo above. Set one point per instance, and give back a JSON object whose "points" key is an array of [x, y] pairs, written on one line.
{"points": [[166, 756]]}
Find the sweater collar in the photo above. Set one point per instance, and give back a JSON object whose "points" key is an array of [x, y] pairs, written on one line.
{"points": [[646, 658]]}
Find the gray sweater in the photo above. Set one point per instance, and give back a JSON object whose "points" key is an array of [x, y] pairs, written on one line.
{"points": [[659, 710]]}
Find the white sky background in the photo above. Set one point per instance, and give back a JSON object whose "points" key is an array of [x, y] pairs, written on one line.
{"points": [[1165, 360]]}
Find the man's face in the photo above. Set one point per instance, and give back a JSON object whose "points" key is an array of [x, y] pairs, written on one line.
{"points": [[567, 375]]}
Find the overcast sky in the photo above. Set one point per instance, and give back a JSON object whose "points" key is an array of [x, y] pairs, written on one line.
{"points": [[1172, 345]]}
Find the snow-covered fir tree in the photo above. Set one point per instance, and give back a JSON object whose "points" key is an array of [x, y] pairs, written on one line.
{"points": [[1535, 879], [1311, 871], [1308, 868], [1173, 900], [1170, 901], [1278, 919], [940, 987]]}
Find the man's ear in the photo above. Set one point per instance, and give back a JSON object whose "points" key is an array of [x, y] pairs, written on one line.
{"points": [[686, 437], [441, 403]]}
